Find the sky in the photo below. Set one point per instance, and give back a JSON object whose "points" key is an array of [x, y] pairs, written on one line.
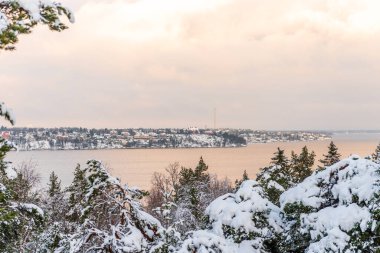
{"points": [[276, 65]]}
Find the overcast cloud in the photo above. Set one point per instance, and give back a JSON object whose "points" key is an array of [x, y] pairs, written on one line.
{"points": [[167, 63]]}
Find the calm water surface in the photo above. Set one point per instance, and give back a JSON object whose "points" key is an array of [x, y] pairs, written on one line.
{"points": [[136, 166]]}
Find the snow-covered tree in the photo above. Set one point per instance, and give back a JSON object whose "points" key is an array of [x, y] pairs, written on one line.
{"points": [[76, 192], [20, 16], [21, 219], [331, 158], [193, 196], [111, 218], [169, 238], [20, 216], [244, 221], [56, 225], [54, 185], [276, 178], [335, 210]]}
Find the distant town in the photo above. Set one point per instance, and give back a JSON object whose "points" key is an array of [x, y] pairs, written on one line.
{"points": [[192, 137]]}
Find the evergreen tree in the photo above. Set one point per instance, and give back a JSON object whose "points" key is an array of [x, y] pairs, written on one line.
{"points": [[54, 185], [301, 165], [76, 194], [193, 196], [19, 17], [277, 178], [111, 218], [376, 155], [331, 158], [330, 212], [169, 238], [259, 229], [19, 220], [239, 182], [280, 159]]}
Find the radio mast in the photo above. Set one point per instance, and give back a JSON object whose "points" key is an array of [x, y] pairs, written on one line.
{"points": [[214, 118]]}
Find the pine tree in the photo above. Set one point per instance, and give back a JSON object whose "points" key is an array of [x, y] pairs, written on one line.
{"points": [[320, 220], [240, 181], [19, 220], [280, 159], [54, 185], [76, 193], [301, 165], [331, 158], [19, 17], [192, 196], [169, 238], [111, 218], [277, 178], [376, 155]]}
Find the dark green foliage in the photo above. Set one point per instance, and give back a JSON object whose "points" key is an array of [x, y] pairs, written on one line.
{"points": [[294, 241], [376, 154], [331, 158], [193, 187], [301, 165], [76, 194], [239, 182], [277, 178], [4, 112], [105, 209], [21, 21], [54, 185], [280, 159], [233, 139], [19, 216]]}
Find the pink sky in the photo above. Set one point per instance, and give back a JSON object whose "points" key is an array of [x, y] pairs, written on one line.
{"points": [[168, 63]]}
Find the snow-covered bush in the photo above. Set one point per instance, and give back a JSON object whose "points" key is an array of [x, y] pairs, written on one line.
{"points": [[335, 210], [246, 216], [203, 241]]}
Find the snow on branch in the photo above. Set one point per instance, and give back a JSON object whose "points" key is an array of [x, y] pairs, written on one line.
{"points": [[20, 16], [7, 112]]}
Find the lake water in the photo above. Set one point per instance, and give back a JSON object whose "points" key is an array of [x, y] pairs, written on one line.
{"points": [[136, 166]]}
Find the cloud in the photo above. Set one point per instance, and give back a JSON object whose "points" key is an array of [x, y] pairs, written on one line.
{"points": [[275, 65]]}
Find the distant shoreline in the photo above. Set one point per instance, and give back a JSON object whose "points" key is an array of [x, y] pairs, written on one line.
{"points": [[171, 148]]}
